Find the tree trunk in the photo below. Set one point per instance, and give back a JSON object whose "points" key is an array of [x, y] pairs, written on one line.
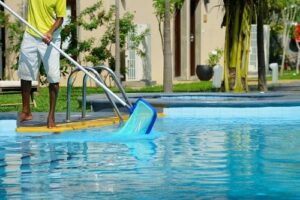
{"points": [[237, 40], [168, 72], [117, 50], [226, 50], [298, 58], [262, 83]]}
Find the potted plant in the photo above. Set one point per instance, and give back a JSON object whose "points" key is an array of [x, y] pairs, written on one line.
{"points": [[205, 72]]}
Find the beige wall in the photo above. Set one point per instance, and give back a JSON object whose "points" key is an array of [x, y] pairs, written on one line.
{"points": [[184, 43], [17, 6], [143, 12], [212, 35], [209, 33]]}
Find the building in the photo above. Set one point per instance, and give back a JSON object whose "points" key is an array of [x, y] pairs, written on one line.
{"points": [[196, 30]]}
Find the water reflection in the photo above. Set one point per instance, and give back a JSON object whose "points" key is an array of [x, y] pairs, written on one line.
{"points": [[185, 158], [32, 164]]}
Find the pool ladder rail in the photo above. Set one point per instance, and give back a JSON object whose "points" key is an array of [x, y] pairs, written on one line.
{"points": [[94, 71]]}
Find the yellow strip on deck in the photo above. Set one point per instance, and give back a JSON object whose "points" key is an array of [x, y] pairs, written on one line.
{"points": [[71, 126], [74, 125]]}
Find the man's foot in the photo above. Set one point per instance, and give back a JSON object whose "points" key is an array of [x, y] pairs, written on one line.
{"points": [[25, 116], [51, 123]]}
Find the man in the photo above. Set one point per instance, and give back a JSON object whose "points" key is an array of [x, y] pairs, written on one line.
{"points": [[47, 17]]}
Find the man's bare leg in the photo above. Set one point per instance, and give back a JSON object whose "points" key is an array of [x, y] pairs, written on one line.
{"points": [[53, 93], [25, 89]]}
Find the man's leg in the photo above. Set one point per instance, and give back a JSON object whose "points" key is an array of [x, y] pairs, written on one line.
{"points": [[53, 93], [26, 113], [51, 62]]}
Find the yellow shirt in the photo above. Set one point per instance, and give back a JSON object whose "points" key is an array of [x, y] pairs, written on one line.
{"points": [[42, 14]]}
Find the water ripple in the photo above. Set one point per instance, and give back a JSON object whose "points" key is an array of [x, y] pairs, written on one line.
{"points": [[185, 159]]}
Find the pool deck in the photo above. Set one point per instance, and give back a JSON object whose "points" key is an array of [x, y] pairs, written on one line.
{"points": [[281, 94], [93, 120], [163, 100], [38, 123]]}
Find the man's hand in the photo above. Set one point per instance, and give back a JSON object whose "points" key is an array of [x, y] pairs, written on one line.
{"points": [[47, 38], [49, 35]]}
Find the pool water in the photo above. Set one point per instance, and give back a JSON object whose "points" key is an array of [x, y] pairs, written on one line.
{"points": [[203, 153]]}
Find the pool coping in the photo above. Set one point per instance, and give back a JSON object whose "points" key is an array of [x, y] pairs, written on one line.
{"points": [[100, 102]]}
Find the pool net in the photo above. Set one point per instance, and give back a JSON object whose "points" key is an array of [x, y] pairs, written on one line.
{"points": [[141, 119]]}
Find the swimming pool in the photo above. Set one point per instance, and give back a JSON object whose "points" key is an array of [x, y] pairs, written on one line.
{"points": [[193, 153]]}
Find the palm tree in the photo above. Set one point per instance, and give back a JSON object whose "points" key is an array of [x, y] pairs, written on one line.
{"points": [[238, 17]]}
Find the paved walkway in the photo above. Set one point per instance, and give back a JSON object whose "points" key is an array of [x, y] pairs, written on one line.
{"points": [[285, 86]]}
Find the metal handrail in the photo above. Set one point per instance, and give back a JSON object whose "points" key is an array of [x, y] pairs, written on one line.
{"points": [[83, 106], [116, 80], [93, 70], [69, 89]]}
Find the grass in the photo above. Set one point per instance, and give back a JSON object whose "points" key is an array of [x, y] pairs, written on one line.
{"points": [[202, 86], [42, 95], [42, 100], [289, 75]]}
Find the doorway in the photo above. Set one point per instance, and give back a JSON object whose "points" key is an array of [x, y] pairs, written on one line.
{"points": [[177, 52], [194, 4]]}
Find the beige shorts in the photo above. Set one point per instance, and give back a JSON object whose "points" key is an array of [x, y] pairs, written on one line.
{"points": [[33, 52]]}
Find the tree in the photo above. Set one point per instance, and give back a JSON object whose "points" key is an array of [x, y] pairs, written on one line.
{"points": [[237, 19], [117, 42], [168, 71], [163, 11], [288, 15], [239, 14], [279, 17], [297, 41], [262, 82]]}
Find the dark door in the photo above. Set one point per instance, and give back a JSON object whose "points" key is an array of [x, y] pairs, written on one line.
{"points": [[177, 42], [194, 4], [71, 4]]}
